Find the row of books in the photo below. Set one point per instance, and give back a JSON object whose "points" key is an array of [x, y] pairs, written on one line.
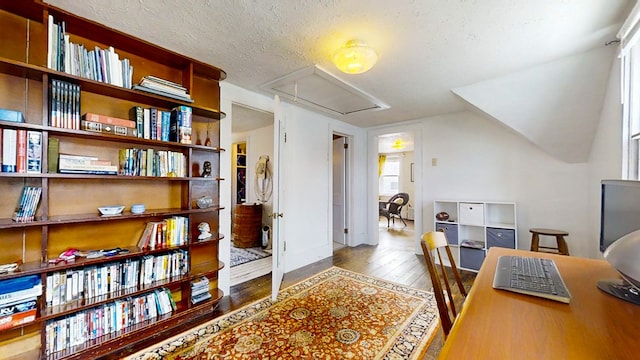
{"points": [[102, 65], [200, 290], [85, 164], [152, 162], [18, 300], [21, 151], [27, 204], [170, 232], [163, 267], [91, 282], [64, 103], [156, 124], [158, 86], [64, 333]]}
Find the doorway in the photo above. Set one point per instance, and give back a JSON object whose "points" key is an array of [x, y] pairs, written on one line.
{"points": [[396, 174], [340, 174], [252, 145]]}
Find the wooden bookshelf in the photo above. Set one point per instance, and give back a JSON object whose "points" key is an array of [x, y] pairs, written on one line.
{"points": [[67, 215]]}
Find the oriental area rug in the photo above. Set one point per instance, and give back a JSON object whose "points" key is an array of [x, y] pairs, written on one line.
{"points": [[336, 314], [244, 255]]}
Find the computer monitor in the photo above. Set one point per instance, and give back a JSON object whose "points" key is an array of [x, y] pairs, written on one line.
{"points": [[620, 237]]}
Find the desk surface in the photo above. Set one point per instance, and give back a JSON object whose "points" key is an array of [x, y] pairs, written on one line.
{"points": [[498, 324]]}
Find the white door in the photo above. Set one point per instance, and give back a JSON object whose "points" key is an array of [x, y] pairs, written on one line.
{"points": [[278, 246], [340, 146]]}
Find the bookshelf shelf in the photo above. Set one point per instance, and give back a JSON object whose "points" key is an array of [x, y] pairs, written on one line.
{"points": [[96, 217], [67, 215], [35, 72]]}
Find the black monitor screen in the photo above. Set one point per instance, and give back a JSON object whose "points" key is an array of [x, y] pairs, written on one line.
{"points": [[619, 210]]}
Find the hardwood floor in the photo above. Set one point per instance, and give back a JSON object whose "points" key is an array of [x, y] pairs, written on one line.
{"points": [[393, 259]]}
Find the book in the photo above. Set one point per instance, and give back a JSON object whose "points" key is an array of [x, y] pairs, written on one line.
{"points": [[165, 86], [136, 114], [160, 81], [27, 204], [153, 123], [162, 93], [9, 147], [146, 123], [79, 158], [108, 129], [13, 290], [18, 306], [180, 124], [11, 115], [13, 320], [109, 120], [53, 153], [200, 297], [21, 151], [34, 152]]}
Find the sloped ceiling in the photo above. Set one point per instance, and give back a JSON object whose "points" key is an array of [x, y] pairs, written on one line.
{"points": [[547, 103]]}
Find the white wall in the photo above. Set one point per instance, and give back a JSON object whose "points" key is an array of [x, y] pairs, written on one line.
{"points": [[606, 154], [259, 142], [478, 159]]}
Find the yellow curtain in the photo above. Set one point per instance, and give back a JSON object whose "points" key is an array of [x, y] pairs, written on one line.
{"points": [[381, 160]]}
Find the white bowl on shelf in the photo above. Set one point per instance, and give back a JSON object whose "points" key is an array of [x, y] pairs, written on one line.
{"points": [[111, 209], [138, 208]]}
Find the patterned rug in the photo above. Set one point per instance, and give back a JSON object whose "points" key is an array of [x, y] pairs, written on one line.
{"points": [[336, 314], [244, 255]]}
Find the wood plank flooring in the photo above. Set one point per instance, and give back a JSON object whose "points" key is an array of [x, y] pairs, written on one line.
{"points": [[393, 259]]}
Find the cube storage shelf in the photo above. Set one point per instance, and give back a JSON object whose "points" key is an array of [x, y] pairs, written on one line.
{"points": [[67, 216], [475, 226]]}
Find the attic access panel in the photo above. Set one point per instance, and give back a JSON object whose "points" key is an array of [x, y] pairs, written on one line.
{"points": [[316, 88]]}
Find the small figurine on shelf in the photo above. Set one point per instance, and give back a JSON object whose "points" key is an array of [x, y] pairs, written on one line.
{"points": [[206, 172], [205, 231]]}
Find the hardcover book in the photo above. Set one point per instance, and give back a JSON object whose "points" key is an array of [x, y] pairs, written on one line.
{"points": [[21, 151], [52, 155], [109, 120], [11, 115], [9, 147], [34, 152], [108, 128]]}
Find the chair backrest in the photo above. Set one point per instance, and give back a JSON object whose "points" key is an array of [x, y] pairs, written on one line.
{"points": [[435, 242], [396, 202]]}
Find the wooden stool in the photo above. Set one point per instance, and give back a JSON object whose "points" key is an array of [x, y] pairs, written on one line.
{"points": [[562, 248]]}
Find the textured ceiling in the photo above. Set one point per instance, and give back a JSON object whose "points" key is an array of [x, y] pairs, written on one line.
{"points": [[426, 47]]}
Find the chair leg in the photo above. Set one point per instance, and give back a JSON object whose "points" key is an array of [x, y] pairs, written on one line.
{"points": [[400, 216]]}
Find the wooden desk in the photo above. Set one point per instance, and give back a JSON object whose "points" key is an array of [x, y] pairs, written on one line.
{"points": [[498, 324]]}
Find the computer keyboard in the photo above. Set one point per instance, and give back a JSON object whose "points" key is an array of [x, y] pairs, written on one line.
{"points": [[531, 276]]}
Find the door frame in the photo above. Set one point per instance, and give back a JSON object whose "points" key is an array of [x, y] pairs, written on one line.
{"points": [[347, 186], [229, 95], [372, 183]]}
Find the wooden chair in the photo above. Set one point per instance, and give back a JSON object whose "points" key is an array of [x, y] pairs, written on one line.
{"points": [[436, 242]]}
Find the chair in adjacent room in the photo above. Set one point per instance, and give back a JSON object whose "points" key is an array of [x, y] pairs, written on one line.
{"points": [[435, 242], [392, 208]]}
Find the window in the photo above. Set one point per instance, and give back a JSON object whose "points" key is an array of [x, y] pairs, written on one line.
{"points": [[630, 91], [389, 182]]}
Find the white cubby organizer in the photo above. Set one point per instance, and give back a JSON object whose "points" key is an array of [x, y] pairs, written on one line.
{"points": [[475, 226]]}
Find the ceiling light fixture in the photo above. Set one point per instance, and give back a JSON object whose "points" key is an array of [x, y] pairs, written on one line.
{"points": [[355, 57], [398, 144]]}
